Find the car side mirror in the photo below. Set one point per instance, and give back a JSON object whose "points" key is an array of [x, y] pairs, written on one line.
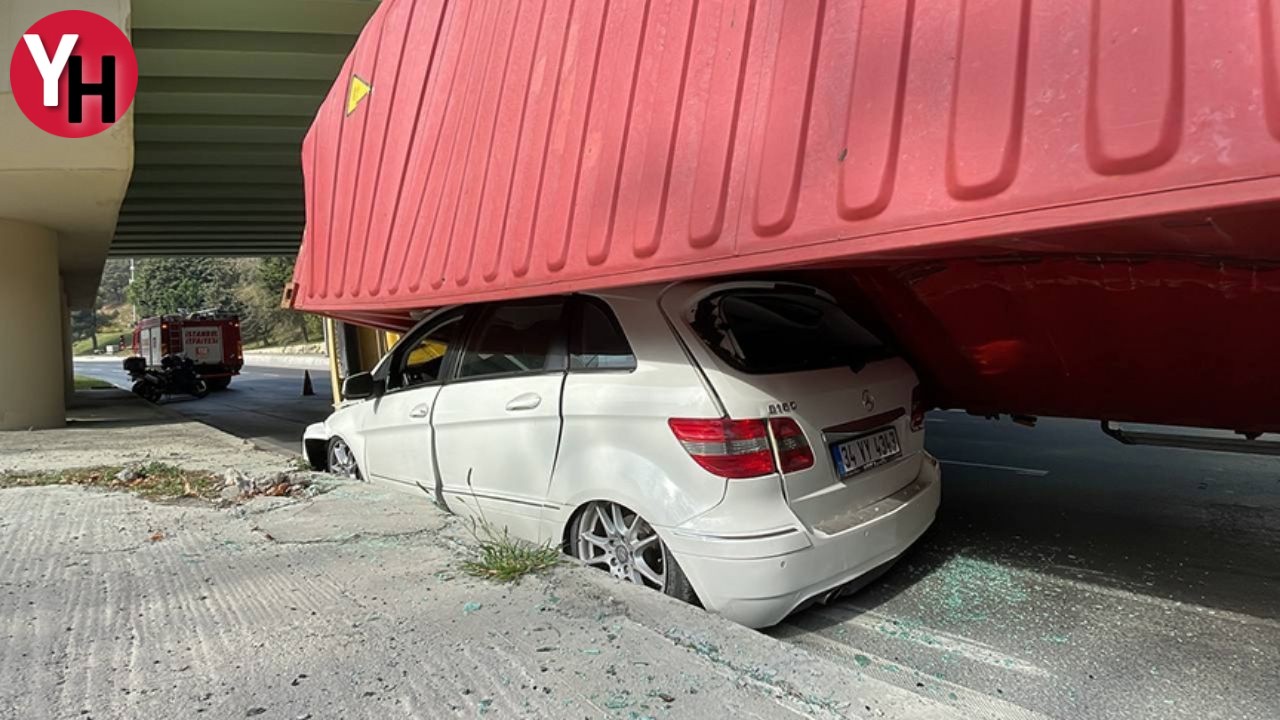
{"points": [[361, 386]]}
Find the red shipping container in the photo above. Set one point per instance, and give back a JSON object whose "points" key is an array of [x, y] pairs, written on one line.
{"points": [[1057, 208]]}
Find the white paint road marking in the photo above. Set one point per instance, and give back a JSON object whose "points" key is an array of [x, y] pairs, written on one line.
{"points": [[971, 702], [933, 639], [1008, 468]]}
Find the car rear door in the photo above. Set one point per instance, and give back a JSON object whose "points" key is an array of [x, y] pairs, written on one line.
{"points": [[397, 428], [783, 350], [497, 422]]}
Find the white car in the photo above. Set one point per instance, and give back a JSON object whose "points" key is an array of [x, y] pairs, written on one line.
{"points": [[746, 445]]}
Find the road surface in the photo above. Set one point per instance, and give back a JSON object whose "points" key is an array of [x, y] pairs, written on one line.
{"points": [[264, 405], [1067, 576]]}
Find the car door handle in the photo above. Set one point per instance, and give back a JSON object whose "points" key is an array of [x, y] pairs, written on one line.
{"points": [[420, 411], [524, 401]]}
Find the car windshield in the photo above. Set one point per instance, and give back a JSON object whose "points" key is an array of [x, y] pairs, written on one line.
{"points": [[765, 331]]}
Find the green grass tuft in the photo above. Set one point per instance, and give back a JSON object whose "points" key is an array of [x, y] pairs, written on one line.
{"points": [[506, 559]]}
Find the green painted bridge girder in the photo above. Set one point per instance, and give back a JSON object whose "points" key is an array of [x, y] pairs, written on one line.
{"points": [[226, 93]]}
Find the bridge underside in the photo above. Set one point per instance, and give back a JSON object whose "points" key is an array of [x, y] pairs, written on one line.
{"points": [[227, 91], [205, 163]]}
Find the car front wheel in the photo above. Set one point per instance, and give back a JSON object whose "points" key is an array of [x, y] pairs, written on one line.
{"points": [[610, 537], [341, 461]]}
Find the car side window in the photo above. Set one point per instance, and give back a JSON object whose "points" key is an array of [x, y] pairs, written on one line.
{"points": [[596, 341], [516, 338], [422, 362]]}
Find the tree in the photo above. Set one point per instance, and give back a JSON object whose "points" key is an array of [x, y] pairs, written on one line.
{"points": [[114, 287], [84, 324], [177, 285], [273, 274], [262, 318], [249, 287]]}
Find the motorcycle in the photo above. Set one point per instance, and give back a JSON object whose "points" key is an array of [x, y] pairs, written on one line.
{"points": [[176, 375]]}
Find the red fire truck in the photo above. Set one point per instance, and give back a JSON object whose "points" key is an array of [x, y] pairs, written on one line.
{"points": [[210, 338]]}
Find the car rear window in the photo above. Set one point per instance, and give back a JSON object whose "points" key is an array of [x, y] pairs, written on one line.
{"points": [[770, 331]]}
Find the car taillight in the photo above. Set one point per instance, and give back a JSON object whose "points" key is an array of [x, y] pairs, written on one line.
{"points": [[740, 448], [794, 452], [729, 448], [917, 409]]}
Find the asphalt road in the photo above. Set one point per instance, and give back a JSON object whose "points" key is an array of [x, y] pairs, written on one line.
{"points": [[264, 405], [1067, 576]]}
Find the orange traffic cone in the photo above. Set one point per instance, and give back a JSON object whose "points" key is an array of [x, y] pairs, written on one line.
{"points": [[307, 390]]}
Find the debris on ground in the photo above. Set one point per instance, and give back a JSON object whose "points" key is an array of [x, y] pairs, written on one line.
{"points": [[238, 485], [152, 480], [163, 482]]}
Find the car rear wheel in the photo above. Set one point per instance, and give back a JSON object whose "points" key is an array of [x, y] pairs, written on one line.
{"points": [[610, 537], [218, 384], [341, 460]]}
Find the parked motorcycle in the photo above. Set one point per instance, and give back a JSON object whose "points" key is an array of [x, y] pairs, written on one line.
{"points": [[175, 376]]}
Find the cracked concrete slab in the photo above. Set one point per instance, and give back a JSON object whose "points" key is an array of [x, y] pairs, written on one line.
{"points": [[353, 605], [334, 518]]}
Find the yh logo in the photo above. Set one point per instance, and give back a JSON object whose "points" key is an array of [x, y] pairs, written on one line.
{"points": [[74, 74]]}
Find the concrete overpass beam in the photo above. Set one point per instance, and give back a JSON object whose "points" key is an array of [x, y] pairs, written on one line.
{"points": [[32, 366]]}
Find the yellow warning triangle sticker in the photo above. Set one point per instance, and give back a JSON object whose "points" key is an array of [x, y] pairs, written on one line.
{"points": [[358, 91]]}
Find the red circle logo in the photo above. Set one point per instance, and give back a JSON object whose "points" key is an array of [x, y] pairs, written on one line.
{"points": [[74, 74]]}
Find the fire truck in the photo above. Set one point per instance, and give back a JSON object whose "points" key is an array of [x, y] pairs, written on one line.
{"points": [[210, 338]]}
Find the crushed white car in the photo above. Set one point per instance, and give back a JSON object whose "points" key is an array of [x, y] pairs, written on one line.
{"points": [[746, 445]]}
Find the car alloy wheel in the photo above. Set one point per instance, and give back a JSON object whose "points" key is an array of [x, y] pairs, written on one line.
{"points": [[341, 460], [613, 538]]}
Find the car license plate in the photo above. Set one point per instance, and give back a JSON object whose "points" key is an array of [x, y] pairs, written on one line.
{"points": [[854, 456]]}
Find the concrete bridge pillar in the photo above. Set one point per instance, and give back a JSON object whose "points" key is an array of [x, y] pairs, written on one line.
{"points": [[32, 367]]}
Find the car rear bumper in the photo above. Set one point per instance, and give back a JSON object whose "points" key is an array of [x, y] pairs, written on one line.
{"points": [[759, 588]]}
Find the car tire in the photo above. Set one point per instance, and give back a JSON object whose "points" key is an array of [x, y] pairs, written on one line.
{"points": [[340, 460], [218, 384], [610, 537]]}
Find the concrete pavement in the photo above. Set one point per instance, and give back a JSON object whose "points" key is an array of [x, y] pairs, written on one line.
{"points": [[352, 605], [112, 427]]}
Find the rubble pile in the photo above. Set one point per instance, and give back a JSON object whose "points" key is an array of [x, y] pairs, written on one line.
{"points": [[238, 485]]}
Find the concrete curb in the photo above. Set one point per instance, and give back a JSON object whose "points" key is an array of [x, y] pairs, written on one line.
{"points": [[806, 684]]}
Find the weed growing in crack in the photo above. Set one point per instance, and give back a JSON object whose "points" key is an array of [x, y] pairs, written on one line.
{"points": [[506, 559]]}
